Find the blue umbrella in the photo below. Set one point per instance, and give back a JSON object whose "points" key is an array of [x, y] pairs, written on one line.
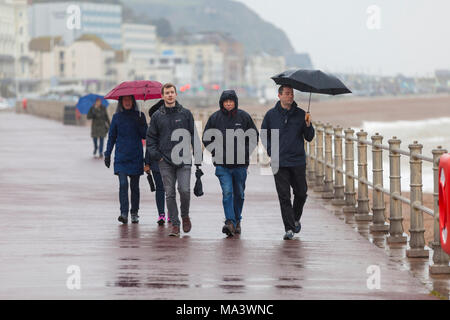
{"points": [[85, 103]]}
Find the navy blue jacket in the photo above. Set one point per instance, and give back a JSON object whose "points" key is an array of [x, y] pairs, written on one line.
{"points": [[293, 132], [127, 130]]}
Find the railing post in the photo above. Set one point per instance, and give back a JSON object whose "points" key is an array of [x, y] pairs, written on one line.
{"points": [[417, 230], [328, 188], [396, 234], [312, 164], [379, 217], [319, 152], [440, 258], [339, 165], [350, 194], [362, 211]]}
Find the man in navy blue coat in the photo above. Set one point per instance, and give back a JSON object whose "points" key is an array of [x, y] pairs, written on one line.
{"points": [[294, 126]]}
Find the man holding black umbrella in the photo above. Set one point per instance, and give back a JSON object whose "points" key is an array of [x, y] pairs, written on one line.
{"points": [[294, 126]]}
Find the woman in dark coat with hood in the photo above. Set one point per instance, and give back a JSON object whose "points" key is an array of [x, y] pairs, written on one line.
{"points": [[128, 128]]}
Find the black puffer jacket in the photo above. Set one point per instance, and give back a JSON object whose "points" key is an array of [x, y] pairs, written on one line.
{"points": [[164, 122], [232, 120]]}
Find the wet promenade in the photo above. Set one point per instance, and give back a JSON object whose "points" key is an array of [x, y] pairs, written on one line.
{"points": [[59, 208]]}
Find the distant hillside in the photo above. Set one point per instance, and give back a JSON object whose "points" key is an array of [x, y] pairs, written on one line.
{"points": [[217, 15], [226, 16]]}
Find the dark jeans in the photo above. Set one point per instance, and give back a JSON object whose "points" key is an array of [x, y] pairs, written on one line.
{"points": [[123, 194], [160, 193], [100, 147], [285, 179], [232, 182]]}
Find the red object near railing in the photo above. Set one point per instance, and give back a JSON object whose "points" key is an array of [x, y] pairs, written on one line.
{"points": [[444, 201]]}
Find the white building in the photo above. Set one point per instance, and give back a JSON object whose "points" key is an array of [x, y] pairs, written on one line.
{"points": [[14, 55], [73, 19], [207, 61], [22, 54], [7, 40], [259, 70], [140, 41], [87, 61]]}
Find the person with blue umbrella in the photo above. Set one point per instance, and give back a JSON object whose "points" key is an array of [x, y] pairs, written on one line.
{"points": [[100, 125]]}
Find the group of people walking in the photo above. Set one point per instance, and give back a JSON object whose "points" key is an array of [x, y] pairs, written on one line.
{"points": [[170, 160]]}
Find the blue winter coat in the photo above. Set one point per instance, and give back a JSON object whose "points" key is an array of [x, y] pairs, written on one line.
{"points": [[126, 133]]}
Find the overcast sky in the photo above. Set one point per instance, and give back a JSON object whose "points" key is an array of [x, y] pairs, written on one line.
{"points": [[413, 36]]}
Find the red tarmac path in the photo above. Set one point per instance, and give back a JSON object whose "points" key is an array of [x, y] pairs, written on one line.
{"points": [[59, 207]]}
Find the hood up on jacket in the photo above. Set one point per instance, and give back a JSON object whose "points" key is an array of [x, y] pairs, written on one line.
{"points": [[229, 95], [120, 107]]}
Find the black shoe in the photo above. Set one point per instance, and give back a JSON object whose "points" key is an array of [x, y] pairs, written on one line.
{"points": [[238, 228], [123, 219], [229, 229], [134, 218], [298, 226]]}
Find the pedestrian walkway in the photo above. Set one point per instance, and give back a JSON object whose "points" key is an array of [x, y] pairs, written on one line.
{"points": [[59, 208]]}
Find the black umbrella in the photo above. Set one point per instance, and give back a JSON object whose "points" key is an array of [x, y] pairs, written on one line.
{"points": [[312, 81], [150, 182]]}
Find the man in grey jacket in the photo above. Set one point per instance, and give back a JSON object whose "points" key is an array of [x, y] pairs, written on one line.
{"points": [[169, 129]]}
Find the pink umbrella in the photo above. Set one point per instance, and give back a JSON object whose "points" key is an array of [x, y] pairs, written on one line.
{"points": [[140, 89]]}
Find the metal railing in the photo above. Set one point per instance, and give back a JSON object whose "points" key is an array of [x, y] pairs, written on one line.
{"points": [[320, 167]]}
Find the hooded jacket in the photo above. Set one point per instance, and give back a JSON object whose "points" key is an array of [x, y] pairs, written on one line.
{"points": [[233, 120], [292, 133], [128, 128], [164, 121]]}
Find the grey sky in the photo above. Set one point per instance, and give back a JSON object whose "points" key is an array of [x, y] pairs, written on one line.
{"points": [[414, 38]]}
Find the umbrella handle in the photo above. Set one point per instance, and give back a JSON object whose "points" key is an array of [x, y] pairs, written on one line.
{"points": [[309, 101]]}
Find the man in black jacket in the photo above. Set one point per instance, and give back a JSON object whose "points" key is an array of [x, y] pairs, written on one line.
{"points": [[231, 136], [170, 126], [294, 126]]}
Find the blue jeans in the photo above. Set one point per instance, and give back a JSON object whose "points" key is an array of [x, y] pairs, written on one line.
{"points": [[232, 182], [160, 195], [100, 147], [123, 194]]}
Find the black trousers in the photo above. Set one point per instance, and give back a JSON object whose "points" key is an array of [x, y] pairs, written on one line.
{"points": [[285, 179]]}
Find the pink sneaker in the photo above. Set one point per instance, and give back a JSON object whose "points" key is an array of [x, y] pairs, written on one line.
{"points": [[161, 220]]}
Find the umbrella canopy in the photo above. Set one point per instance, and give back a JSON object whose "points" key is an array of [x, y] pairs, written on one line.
{"points": [[313, 81], [140, 89], [85, 103]]}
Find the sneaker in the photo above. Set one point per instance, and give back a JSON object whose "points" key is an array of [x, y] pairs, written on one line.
{"points": [[168, 218], [229, 229], [161, 219], [238, 228], [175, 231], [123, 219], [134, 218], [298, 226], [289, 235], [186, 224]]}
